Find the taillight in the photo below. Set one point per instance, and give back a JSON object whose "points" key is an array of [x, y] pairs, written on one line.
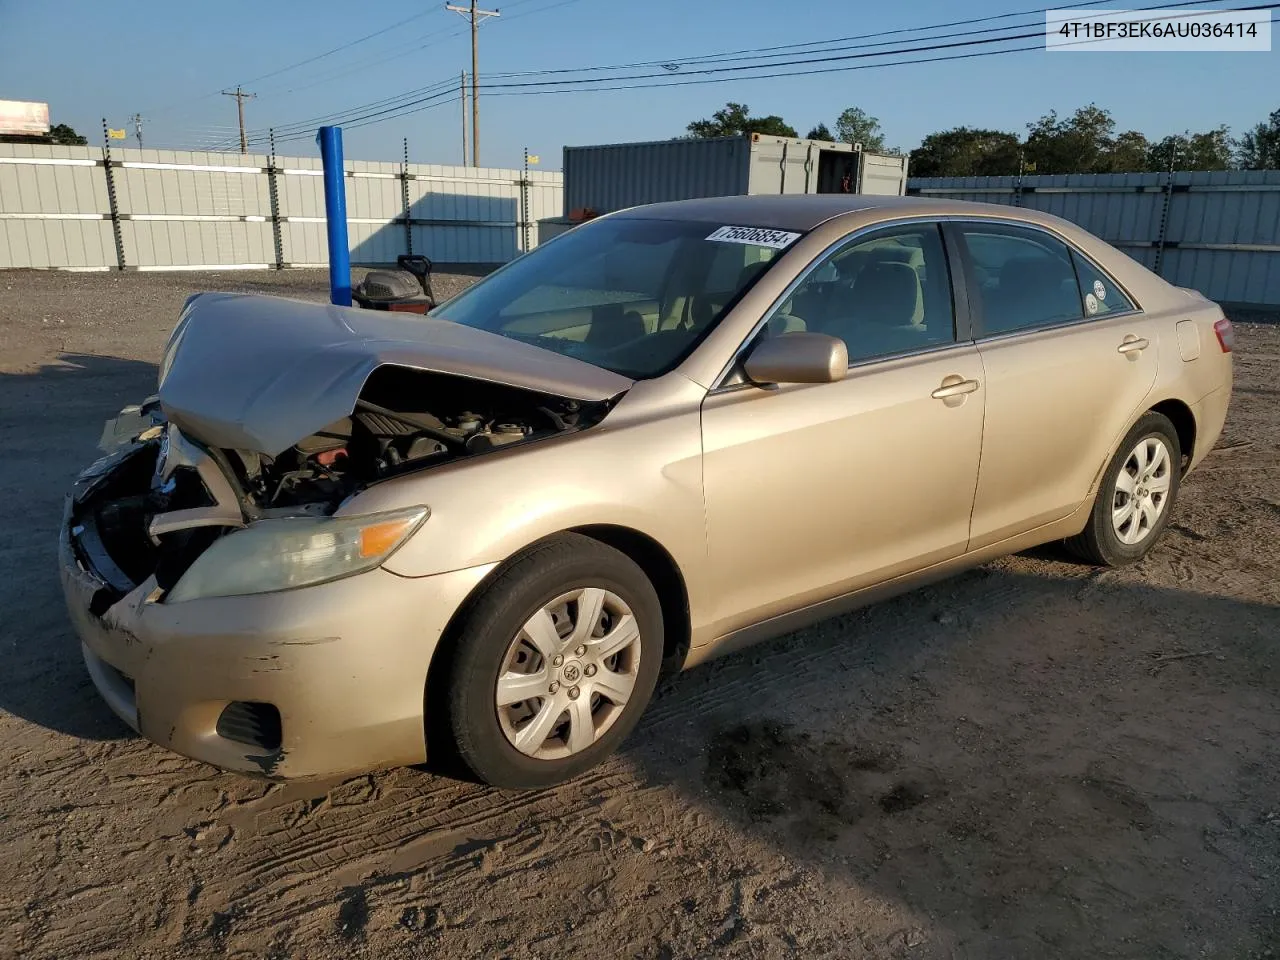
{"points": [[1226, 334]]}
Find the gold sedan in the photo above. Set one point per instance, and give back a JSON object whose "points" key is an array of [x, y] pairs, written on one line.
{"points": [[337, 538]]}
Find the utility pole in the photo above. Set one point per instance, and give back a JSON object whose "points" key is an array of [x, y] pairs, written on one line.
{"points": [[137, 128], [241, 97], [464, 118], [476, 16]]}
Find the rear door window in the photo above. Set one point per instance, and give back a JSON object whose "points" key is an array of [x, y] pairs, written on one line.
{"points": [[1023, 279]]}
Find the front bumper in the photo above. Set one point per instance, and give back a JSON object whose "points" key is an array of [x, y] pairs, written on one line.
{"points": [[345, 663]]}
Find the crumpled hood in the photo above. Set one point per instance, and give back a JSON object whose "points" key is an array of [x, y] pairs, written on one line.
{"points": [[261, 373]]}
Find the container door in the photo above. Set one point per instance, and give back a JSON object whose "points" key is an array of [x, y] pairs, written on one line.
{"points": [[778, 166], [883, 176]]}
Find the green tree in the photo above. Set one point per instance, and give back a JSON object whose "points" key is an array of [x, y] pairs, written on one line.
{"points": [[63, 133], [1259, 148], [1078, 144], [58, 133], [820, 132], [1192, 151], [966, 152], [855, 125], [735, 119], [1129, 153]]}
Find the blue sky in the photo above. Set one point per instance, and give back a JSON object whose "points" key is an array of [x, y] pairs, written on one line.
{"points": [[168, 60]]}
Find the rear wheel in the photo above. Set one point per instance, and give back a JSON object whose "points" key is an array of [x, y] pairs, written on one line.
{"points": [[1136, 496], [555, 662]]}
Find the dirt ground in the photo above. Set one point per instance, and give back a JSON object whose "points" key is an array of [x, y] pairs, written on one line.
{"points": [[1035, 759]]}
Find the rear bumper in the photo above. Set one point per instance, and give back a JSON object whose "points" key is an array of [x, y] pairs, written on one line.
{"points": [[345, 663], [1210, 415]]}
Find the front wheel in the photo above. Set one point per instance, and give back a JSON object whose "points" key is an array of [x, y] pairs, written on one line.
{"points": [[554, 663], [1135, 497]]}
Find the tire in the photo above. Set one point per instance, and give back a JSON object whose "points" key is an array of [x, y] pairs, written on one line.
{"points": [[1104, 542], [492, 642]]}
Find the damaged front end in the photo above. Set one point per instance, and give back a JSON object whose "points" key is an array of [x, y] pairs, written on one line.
{"points": [[161, 499], [183, 549], [164, 518]]}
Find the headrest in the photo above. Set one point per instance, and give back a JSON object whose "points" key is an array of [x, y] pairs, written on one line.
{"points": [[1034, 275], [885, 293]]}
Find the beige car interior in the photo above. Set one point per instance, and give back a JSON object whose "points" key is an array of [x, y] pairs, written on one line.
{"points": [[629, 326], [881, 296]]}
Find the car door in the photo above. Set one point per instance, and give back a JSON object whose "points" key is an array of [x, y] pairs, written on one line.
{"points": [[815, 490], [1068, 359]]}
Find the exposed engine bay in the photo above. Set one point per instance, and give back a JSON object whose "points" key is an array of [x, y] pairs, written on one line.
{"points": [[165, 496], [405, 420]]}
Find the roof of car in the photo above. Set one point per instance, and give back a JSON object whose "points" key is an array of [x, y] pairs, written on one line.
{"points": [[806, 211]]}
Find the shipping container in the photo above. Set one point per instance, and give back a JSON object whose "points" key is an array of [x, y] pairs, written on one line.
{"points": [[612, 177]]}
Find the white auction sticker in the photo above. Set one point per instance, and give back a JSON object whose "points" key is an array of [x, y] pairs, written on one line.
{"points": [[756, 236]]}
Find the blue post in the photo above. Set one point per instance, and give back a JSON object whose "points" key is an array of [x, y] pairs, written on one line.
{"points": [[335, 212]]}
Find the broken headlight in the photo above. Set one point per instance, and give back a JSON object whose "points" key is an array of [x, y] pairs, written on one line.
{"points": [[295, 552]]}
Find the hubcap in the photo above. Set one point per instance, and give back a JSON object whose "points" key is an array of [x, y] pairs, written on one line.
{"points": [[1142, 490], [568, 673]]}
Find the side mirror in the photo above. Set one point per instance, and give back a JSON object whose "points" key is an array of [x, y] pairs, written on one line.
{"points": [[798, 358]]}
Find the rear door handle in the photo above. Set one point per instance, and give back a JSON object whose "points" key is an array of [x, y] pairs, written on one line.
{"points": [[1133, 344], [954, 387]]}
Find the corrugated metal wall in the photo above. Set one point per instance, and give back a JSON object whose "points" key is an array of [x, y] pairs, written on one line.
{"points": [[61, 207], [1217, 232], [615, 176], [619, 175]]}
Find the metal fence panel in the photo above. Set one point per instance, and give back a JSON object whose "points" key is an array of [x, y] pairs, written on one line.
{"points": [[1215, 231], [178, 209], [70, 244], [304, 243]]}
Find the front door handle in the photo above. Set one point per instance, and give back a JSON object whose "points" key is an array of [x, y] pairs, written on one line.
{"points": [[954, 386], [1133, 344]]}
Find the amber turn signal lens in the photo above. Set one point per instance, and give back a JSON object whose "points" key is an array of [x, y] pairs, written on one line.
{"points": [[376, 539]]}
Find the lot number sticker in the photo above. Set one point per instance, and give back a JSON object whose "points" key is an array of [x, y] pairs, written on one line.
{"points": [[755, 236]]}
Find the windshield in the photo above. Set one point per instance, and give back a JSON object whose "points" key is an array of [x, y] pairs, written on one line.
{"points": [[633, 296]]}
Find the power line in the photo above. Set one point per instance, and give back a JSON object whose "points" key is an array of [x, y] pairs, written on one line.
{"points": [[729, 55], [360, 66], [340, 47], [339, 115], [864, 54], [419, 43], [365, 122], [550, 6], [320, 56], [408, 95], [400, 106]]}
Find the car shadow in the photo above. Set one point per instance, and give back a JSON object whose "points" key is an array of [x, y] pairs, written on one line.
{"points": [[50, 423], [1008, 751], [1025, 760]]}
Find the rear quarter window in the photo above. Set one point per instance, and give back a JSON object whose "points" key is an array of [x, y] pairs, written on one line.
{"points": [[1098, 292]]}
